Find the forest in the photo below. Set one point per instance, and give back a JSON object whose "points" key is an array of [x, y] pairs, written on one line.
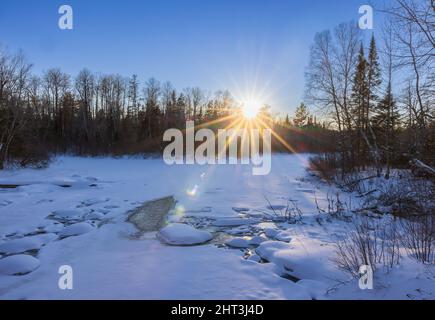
{"points": [[374, 102]]}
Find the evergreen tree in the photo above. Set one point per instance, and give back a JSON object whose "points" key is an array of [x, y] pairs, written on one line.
{"points": [[373, 78], [301, 116], [287, 121]]}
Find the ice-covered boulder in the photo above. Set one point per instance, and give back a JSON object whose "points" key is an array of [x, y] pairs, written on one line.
{"points": [[26, 244], [18, 264], [255, 258], [257, 240], [274, 251], [76, 229], [284, 236], [270, 232], [179, 234], [53, 227], [94, 215], [238, 243]]}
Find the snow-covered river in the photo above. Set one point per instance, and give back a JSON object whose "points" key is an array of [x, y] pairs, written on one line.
{"points": [[109, 260]]}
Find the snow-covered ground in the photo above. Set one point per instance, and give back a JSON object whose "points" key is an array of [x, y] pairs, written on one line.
{"points": [[74, 213]]}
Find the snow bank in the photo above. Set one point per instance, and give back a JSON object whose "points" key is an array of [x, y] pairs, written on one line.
{"points": [[179, 234], [26, 244], [18, 265], [238, 243], [76, 229]]}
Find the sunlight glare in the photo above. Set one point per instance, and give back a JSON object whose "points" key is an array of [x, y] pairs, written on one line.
{"points": [[251, 108]]}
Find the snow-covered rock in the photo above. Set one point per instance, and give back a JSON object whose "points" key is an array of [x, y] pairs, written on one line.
{"points": [[94, 216], [92, 201], [238, 243], [26, 244], [284, 236], [183, 235], [240, 209], [233, 222], [69, 214], [257, 240], [270, 232], [18, 265], [239, 230], [76, 229], [103, 211], [53, 227], [273, 251], [255, 258]]}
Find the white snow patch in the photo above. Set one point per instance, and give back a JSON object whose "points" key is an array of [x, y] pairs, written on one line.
{"points": [[76, 229], [284, 236], [315, 288], [26, 244], [183, 234], [238, 243], [18, 264], [257, 240]]}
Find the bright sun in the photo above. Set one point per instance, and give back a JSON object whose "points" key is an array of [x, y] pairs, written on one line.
{"points": [[251, 108]]}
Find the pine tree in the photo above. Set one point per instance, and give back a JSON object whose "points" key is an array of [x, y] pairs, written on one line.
{"points": [[301, 116], [287, 121], [357, 115], [385, 123], [386, 115], [359, 91], [373, 78]]}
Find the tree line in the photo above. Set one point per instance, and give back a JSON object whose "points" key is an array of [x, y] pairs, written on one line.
{"points": [[380, 97], [92, 114]]}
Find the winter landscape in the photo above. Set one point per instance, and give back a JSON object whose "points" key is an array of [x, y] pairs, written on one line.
{"points": [[233, 225], [124, 188]]}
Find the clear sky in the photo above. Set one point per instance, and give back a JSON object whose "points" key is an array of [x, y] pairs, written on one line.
{"points": [[244, 46]]}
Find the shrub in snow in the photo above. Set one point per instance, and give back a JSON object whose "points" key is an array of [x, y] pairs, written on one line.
{"points": [[373, 244], [183, 235], [289, 213], [18, 265], [76, 229]]}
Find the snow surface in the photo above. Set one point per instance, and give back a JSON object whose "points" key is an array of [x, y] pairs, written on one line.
{"points": [[111, 261], [18, 264]]}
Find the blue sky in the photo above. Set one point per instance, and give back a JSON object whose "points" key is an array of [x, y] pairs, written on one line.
{"points": [[244, 46]]}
